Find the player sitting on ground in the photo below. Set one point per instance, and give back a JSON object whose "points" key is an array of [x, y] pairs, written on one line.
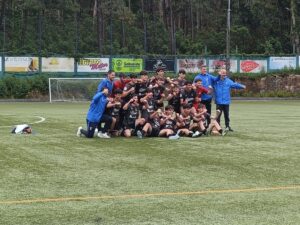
{"points": [[184, 121], [168, 122], [214, 127], [152, 126], [199, 118]]}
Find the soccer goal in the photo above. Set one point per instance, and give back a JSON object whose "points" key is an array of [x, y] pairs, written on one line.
{"points": [[72, 89]]}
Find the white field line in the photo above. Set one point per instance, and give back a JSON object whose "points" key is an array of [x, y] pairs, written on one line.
{"points": [[41, 120]]}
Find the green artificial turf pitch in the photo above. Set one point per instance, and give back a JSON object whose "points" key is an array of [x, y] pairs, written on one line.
{"points": [[210, 180]]}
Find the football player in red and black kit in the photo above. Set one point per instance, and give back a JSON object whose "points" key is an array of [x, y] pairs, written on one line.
{"points": [[168, 122], [152, 126], [158, 89], [173, 99], [120, 84], [142, 84], [188, 95], [184, 121], [113, 109], [180, 81], [132, 118], [129, 89]]}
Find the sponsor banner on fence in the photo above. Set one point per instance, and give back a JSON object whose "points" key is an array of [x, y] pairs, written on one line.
{"points": [[21, 64], [93, 65], [253, 66], [190, 65], [216, 64], [166, 64], [127, 65], [54, 64], [277, 63]]}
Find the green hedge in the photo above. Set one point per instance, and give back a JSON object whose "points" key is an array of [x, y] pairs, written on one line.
{"points": [[36, 87], [19, 88]]}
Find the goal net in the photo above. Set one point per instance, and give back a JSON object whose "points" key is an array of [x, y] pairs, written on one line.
{"points": [[72, 89]]}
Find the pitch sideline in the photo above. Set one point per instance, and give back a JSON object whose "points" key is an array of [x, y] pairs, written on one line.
{"points": [[162, 194]]}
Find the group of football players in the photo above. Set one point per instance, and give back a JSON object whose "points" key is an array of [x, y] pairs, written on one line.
{"points": [[156, 106]]}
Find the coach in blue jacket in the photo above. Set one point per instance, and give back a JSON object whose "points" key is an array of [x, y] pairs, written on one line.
{"points": [[95, 113], [222, 87]]}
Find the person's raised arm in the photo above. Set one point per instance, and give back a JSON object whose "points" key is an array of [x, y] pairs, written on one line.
{"points": [[236, 85], [99, 94], [125, 107]]}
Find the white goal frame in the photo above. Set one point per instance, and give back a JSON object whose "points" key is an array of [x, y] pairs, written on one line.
{"points": [[68, 78]]}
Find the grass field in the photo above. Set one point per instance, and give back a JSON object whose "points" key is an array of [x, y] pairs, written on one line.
{"points": [[251, 176]]}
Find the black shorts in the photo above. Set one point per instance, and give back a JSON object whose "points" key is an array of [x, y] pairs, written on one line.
{"points": [[154, 133]]}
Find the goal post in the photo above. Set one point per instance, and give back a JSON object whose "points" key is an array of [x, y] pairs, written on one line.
{"points": [[72, 89]]}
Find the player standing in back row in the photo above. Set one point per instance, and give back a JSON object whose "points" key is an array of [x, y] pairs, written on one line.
{"points": [[207, 81]]}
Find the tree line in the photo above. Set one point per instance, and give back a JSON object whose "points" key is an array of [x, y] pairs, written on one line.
{"points": [[163, 27]]}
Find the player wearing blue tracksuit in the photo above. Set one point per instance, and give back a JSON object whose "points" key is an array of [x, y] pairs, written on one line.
{"points": [[95, 113], [207, 82], [222, 87], [107, 82]]}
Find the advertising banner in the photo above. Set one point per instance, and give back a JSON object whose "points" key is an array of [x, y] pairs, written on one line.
{"points": [[190, 65], [166, 64], [0, 63], [253, 66], [278, 63], [93, 65], [127, 65], [54, 64], [21, 64], [216, 64]]}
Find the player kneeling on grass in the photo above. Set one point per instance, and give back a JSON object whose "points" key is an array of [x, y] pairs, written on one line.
{"points": [[105, 124], [132, 118], [95, 113]]}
